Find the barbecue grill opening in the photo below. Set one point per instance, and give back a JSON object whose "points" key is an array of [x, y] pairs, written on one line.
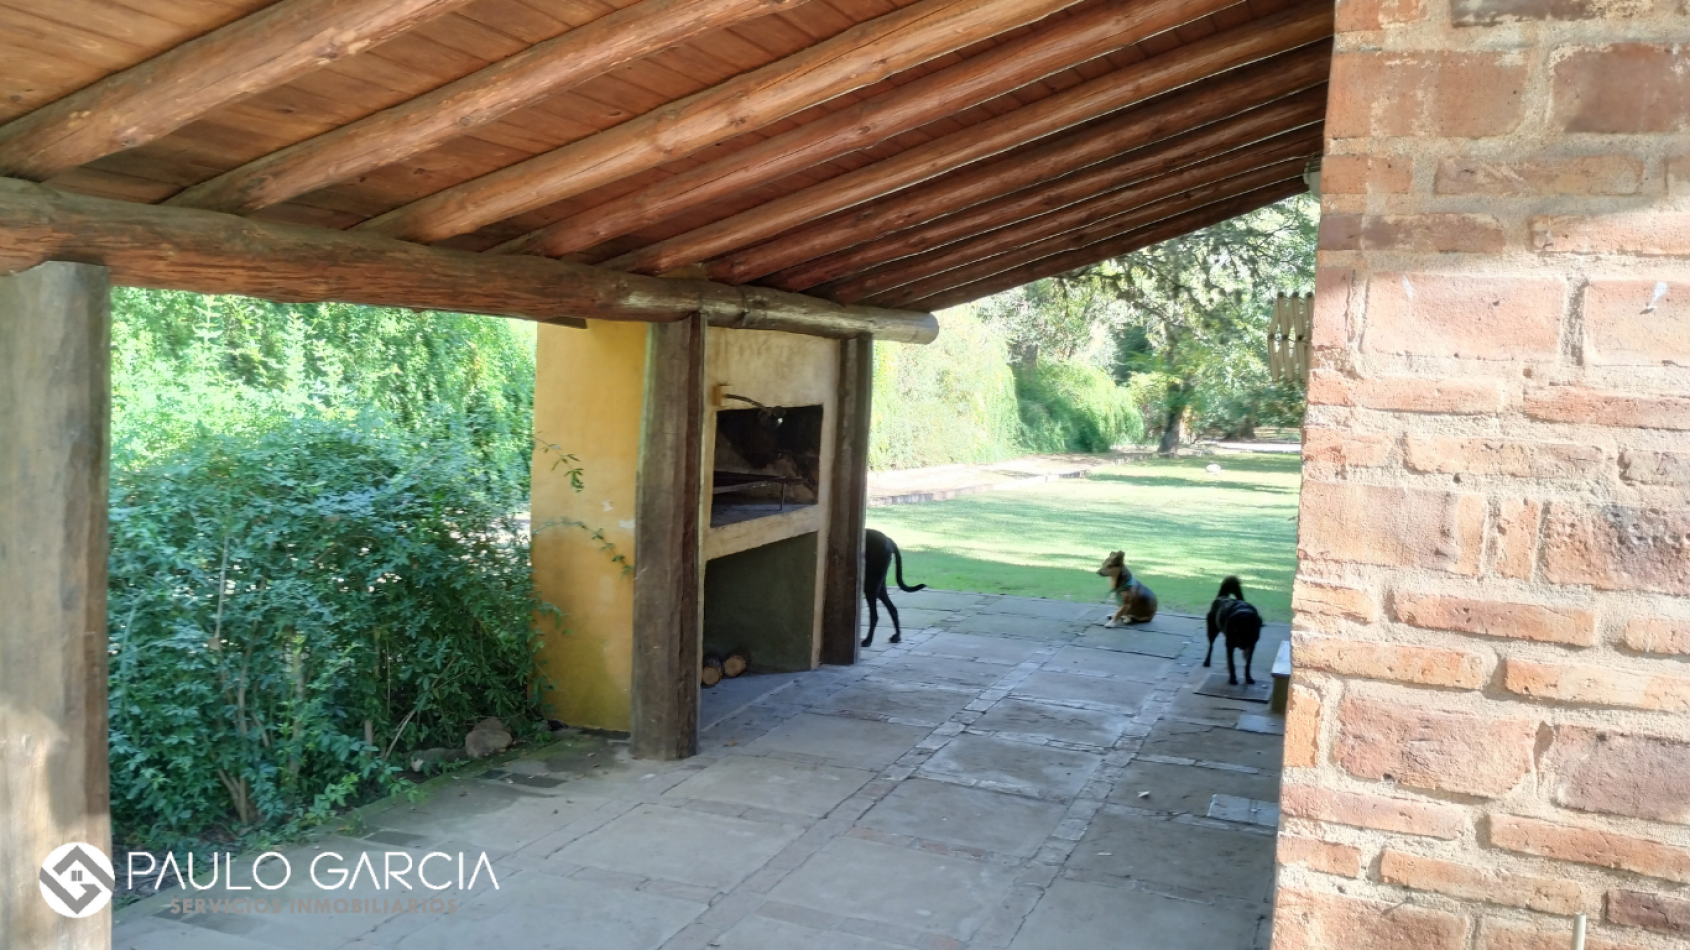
{"points": [[767, 462]]}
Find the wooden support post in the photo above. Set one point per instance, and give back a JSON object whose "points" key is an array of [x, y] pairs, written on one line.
{"points": [[668, 569], [55, 388], [848, 503]]}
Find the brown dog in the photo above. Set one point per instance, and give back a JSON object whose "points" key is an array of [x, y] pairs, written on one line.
{"points": [[1137, 602]]}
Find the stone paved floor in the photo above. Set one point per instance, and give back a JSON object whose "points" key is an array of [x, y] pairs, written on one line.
{"points": [[1012, 775]]}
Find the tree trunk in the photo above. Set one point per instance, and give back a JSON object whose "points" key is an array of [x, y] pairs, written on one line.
{"points": [[1171, 431]]}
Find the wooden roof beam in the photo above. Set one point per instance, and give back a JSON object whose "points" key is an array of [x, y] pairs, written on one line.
{"points": [[1013, 246], [208, 252], [1013, 232], [1137, 165], [1118, 246], [860, 56], [1131, 129], [1077, 39], [1258, 39], [460, 107], [152, 99], [1213, 99]]}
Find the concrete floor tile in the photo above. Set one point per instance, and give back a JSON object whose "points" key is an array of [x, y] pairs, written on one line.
{"points": [[1132, 640], [1010, 625], [1030, 769], [1138, 667], [979, 647], [971, 817], [1236, 864], [540, 912], [1077, 915], [1047, 609], [773, 783], [937, 599], [1024, 717], [1187, 789], [909, 701], [1215, 744], [904, 887], [731, 695], [1123, 694], [712, 851], [182, 937], [763, 933], [485, 816], [946, 671], [909, 618], [856, 743]]}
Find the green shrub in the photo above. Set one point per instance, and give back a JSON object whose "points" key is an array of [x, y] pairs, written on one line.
{"points": [[950, 401], [281, 596], [1075, 407]]}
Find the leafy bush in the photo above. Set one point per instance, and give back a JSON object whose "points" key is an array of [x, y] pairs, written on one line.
{"points": [[950, 401], [1075, 407], [305, 581]]}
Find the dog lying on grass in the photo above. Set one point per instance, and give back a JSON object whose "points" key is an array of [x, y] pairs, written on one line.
{"points": [[879, 552], [1136, 602], [1239, 621]]}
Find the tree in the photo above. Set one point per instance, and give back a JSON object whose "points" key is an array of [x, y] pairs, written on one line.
{"points": [[1061, 320], [1193, 311]]}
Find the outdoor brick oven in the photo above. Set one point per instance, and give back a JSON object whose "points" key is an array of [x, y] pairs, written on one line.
{"points": [[769, 435]]}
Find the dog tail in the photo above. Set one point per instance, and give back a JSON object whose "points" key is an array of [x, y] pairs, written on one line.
{"points": [[898, 556], [1231, 588]]}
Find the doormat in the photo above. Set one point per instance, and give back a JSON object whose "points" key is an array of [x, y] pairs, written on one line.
{"points": [[1216, 685]]}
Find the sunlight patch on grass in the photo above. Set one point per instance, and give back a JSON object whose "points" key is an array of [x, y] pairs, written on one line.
{"points": [[1183, 530]]}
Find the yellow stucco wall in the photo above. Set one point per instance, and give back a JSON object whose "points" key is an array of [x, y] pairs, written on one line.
{"points": [[588, 393]]}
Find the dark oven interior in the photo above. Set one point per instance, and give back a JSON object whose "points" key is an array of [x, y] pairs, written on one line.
{"points": [[768, 461]]}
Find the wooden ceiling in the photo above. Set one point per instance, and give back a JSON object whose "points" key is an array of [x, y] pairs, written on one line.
{"points": [[900, 153]]}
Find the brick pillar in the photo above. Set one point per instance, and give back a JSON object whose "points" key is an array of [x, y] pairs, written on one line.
{"points": [[1488, 727]]}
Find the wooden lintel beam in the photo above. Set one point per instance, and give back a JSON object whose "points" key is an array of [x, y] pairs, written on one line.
{"points": [[460, 107], [154, 98], [208, 252], [1205, 102], [1118, 246], [1005, 249], [1141, 164], [1084, 36], [1082, 212], [1307, 23], [858, 57]]}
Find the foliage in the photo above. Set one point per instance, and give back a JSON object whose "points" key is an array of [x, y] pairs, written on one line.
{"points": [[314, 563], [1182, 527], [1074, 407], [950, 401], [1054, 320], [1196, 314]]}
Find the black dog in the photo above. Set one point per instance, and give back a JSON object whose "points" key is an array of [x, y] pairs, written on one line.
{"points": [[879, 552], [1232, 615]]}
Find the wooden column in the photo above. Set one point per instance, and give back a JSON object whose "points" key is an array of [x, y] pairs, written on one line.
{"points": [[55, 388], [848, 503], [668, 569]]}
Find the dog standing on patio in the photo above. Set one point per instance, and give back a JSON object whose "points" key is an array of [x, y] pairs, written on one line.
{"points": [[1236, 618], [879, 552], [1137, 603]]}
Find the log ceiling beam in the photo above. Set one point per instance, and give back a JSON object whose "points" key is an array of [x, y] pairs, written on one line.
{"points": [[208, 252], [1268, 36], [1008, 250], [152, 99], [1137, 165], [860, 56], [460, 107], [1087, 211], [1215, 99], [1076, 39], [1120, 245]]}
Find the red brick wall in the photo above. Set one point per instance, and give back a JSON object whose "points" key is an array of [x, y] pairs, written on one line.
{"points": [[1490, 719]]}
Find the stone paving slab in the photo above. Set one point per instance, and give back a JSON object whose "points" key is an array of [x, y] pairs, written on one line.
{"points": [[975, 786]]}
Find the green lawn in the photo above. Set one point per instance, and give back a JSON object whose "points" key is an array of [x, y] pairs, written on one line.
{"points": [[1182, 528]]}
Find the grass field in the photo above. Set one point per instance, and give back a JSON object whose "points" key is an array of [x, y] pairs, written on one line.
{"points": [[1183, 530]]}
